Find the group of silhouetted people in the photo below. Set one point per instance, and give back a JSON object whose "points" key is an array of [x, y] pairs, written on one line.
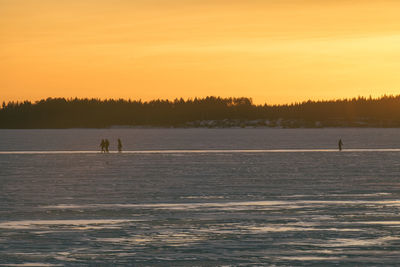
{"points": [[105, 144]]}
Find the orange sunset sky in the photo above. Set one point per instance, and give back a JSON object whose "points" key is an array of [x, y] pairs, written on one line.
{"points": [[275, 51]]}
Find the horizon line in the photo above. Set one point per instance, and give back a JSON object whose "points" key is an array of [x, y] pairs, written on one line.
{"points": [[200, 151]]}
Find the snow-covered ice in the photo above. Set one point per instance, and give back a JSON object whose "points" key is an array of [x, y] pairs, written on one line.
{"points": [[223, 204]]}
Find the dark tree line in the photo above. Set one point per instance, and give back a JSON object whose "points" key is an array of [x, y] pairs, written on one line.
{"points": [[95, 113]]}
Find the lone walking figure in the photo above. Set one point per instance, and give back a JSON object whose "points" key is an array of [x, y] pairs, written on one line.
{"points": [[103, 146], [340, 144], [119, 145]]}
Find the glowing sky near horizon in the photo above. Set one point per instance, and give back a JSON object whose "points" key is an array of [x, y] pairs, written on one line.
{"points": [[273, 51]]}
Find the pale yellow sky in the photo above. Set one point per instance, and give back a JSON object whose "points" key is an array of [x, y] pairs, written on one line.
{"points": [[275, 51]]}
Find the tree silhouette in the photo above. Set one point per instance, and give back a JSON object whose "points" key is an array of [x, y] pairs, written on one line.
{"points": [[224, 112]]}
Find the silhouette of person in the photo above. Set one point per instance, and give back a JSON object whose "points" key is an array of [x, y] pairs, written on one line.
{"points": [[106, 144], [340, 144], [103, 146], [119, 145]]}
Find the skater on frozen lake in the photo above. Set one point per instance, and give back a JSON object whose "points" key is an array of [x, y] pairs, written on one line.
{"points": [[107, 145], [103, 146], [119, 145], [340, 144]]}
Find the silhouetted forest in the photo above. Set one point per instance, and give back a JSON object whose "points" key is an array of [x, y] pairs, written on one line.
{"points": [[204, 112]]}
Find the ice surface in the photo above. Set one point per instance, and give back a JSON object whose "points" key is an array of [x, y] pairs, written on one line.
{"points": [[203, 208], [198, 139]]}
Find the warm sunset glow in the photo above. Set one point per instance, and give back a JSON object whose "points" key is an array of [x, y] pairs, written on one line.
{"points": [[273, 51]]}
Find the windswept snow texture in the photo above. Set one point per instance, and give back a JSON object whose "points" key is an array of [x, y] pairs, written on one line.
{"points": [[200, 209]]}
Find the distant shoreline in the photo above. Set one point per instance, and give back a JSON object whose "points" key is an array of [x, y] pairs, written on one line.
{"points": [[208, 112], [138, 127]]}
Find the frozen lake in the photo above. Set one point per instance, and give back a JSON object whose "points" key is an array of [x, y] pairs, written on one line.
{"points": [[203, 197]]}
